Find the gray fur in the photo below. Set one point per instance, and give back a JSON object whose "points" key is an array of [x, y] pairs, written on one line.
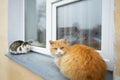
{"points": [[19, 47]]}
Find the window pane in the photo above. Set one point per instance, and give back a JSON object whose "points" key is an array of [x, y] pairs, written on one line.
{"points": [[80, 22], [35, 20]]}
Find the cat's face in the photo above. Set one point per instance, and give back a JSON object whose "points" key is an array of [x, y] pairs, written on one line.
{"points": [[27, 46], [59, 47]]}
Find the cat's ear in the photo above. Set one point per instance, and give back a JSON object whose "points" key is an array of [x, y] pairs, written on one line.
{"points": [[65, 40], [51, 42]]}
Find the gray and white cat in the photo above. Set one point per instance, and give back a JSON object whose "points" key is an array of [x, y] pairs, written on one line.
{"points": [[19, 47]]}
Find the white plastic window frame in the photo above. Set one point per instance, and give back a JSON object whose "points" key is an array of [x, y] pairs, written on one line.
{"points": [[48, 31], [107, 48]]}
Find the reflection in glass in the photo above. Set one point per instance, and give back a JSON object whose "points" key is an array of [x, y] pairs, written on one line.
{"points": [[80, 22], [35, 22]]}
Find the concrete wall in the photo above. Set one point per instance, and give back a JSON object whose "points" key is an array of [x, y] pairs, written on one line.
{"points": [[10, 70], [117, 40], [15, 20]]}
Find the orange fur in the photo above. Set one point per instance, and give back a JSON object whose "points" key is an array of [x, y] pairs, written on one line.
{"points": [[79, 62]]}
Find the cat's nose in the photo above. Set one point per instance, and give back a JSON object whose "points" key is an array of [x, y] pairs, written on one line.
{"points": [[58, 52]]}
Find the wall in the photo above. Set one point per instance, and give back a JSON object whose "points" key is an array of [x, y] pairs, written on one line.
{"points": [[10, 70], [15, 20], [117, 40]]}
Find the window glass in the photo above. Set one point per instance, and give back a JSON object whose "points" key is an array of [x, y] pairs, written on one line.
{"points": [[35, 22], [80, 22]]}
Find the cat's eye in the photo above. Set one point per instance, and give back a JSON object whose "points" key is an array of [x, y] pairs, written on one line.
{"points": [[55, 48], [62, 48]]}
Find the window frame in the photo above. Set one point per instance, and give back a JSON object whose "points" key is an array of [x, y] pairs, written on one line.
{"points": [[107, 28], [107, 49], [48, 31]]}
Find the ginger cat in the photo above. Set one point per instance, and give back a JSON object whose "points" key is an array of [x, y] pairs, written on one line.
{"points": [[78, 62]]}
